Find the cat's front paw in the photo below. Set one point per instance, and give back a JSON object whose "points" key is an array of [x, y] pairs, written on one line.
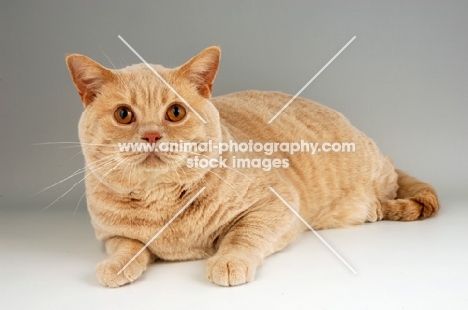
{"points": [[106, 272], [227, 270]]}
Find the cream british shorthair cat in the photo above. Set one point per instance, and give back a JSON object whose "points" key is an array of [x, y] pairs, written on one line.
{"points": [[235, 220]]}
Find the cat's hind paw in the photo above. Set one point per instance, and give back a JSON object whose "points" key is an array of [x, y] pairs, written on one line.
{"points": [[107, 272], [229, 270]]}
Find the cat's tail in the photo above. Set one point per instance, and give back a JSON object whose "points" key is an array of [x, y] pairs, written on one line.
{"points": [[415, 200]]}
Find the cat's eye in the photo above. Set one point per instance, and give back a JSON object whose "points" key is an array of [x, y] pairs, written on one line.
{"points": [[175, 113], [124, 115]]}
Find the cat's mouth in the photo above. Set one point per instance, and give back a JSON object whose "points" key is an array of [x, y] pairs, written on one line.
{"points": [[146, 160], [152, 159]]}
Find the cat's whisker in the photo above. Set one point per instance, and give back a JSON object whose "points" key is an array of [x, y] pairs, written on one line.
{"points": [[69, 147], [175, 170], [80, 171], [202, 177], [100, 166], [87, 145], [100, 144], [131, 171], [123, 82], [123, 173], [82, 196], [100, 46], [69, 190], [123, 58], [100, 160], [57, 142], [78, 204], [88, 166], [77, 144], [118, 164], [116, 72], [181, 168], [80, 152], [77, 172]]}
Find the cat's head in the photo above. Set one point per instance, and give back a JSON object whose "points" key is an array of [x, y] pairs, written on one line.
{"points": [[133, 105]]}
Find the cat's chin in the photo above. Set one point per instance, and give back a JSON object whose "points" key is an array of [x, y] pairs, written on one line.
{"points": [[152, 161]]}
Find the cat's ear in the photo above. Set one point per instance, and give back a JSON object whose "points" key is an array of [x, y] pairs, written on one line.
{"points": [[88, 76], [201, 70]]}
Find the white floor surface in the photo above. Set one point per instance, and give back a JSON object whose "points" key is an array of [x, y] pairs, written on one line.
{"points": [[47, 262]]}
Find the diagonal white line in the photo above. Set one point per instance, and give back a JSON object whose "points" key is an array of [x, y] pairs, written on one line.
{"points": [[310, 227], [311, 80], [161, 230], [163, 80]]}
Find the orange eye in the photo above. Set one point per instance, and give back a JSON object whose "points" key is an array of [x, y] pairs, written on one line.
{"points": [[124, 115], [175, 113]]}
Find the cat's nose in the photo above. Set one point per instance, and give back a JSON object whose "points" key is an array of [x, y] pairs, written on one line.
{"points": [[151, 137]]}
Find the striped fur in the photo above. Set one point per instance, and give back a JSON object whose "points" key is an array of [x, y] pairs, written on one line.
{"points": [[236, 221]]}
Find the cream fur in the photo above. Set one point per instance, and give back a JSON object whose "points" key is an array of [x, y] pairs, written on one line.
{"points": [[236, 221]]}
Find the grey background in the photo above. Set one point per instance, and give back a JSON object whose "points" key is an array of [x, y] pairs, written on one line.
{"points": [[403, 81]]}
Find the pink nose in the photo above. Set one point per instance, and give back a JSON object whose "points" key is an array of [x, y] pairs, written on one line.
{"points": [[151, 137]]}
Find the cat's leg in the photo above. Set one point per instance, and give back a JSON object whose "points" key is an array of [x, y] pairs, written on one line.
{"points": [[121, 251], [252, 238]]}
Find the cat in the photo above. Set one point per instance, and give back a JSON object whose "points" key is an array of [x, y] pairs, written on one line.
{"points": [[235, 220]]}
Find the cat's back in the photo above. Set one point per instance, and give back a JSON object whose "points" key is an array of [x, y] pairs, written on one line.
{"points": [[246, 114], [357, 175]]}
